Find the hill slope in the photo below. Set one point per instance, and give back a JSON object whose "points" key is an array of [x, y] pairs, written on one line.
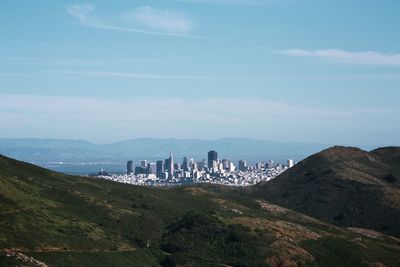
{"points": [[52, 219], [344, 186]]}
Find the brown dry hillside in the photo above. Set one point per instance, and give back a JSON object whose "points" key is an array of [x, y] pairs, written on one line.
{"points": [[345, 186]]}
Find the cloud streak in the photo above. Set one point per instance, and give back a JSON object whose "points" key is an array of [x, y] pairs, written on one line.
{"points": [[81, 12], [341, 56], [161, 19], [145, 20], [141, 75]]}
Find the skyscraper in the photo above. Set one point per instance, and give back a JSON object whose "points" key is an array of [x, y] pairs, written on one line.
{"points": [[166, 165], [225, 164], [160, 168], [129, 167], [290, 163], [185, 165], [212, 157], [177, 166], [242, 165], [152, 168], [231, 167], [143, 163], [171, 166], [190, 163]]}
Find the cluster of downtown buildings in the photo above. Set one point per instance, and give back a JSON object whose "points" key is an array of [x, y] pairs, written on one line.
{"points": [[213, 170]]}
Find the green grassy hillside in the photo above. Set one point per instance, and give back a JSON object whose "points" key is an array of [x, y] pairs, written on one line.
{"points": [[61, 220], [344, 186]]}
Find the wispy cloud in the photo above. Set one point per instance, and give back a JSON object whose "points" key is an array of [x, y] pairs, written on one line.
{"points": [[161, 19], [134, 30], [143, 20], [82, 12], [141, 75], [336, 55]]}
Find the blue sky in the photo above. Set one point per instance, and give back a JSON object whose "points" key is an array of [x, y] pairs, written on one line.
{"points": [[287, 70]]}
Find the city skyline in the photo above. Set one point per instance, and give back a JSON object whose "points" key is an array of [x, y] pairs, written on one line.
{"points": [[287, 71], [212, 170]]}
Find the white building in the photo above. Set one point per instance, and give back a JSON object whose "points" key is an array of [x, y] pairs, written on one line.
{"points": [[290, 163]]}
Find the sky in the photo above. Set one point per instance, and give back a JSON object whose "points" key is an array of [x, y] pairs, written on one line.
{"points": [[321, 71]]}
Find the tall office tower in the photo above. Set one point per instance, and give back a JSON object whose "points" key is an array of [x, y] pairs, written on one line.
{"points": [[225, 164], [129, 167], [160, 168], [290, 163], [190, 163], [152, 168], [185, 164], [140, 170], [166, 166], [242, 165], [231, 167], [195, 166], [212, 157], [220, 167], [171, 166], [177, 166], [143, 164], [215, 165]]}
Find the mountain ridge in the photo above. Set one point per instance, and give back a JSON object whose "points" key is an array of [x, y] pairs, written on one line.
{"points": [[55, 150]]}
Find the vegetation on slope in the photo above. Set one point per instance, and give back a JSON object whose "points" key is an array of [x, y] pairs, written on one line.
{"points": [[342, 186], [76, 221]]}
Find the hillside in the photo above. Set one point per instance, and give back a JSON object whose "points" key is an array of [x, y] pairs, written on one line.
{"points": [[51, 219], [344, 186]]}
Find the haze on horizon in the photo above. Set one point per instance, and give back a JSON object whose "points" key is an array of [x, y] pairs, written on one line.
{"points": [[289, 71]]}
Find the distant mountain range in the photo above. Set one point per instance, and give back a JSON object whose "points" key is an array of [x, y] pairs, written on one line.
{"points": [[55, 150]]}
